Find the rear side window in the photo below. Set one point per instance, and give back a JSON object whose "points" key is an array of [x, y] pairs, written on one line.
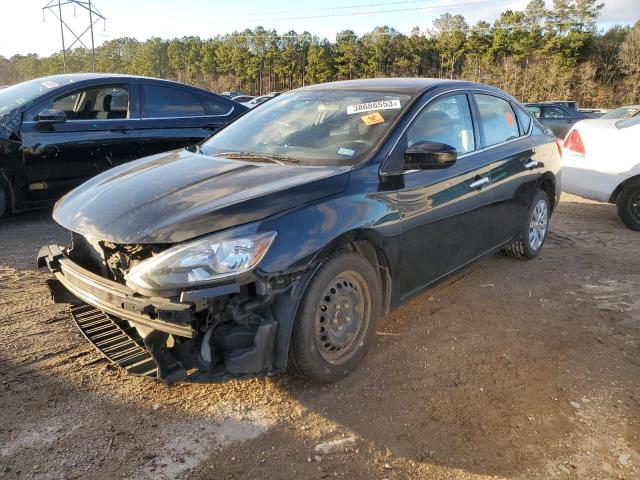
{"points": [[165, 102], [524, 119], [497, 119], [215, 106]]}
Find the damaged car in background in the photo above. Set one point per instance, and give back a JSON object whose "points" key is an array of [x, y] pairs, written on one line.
{"points": [[280, 241]]}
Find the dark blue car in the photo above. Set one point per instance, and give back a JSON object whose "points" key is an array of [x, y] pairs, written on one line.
{"points": [[56, 132]]}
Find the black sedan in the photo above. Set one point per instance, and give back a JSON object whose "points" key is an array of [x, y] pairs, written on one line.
{"points": [[282, 240], [558, 118], [57, 132]]}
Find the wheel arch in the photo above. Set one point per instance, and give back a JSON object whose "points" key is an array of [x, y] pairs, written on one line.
{"points": [[361, 241], [365, 243], [547, 183], [618, 190]]}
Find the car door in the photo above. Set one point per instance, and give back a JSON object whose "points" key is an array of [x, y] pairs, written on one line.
{"points": [[558, 119], [514, 169], [445, 214], [175, 117], [99, 129]]}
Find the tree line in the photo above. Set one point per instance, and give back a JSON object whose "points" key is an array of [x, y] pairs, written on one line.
{"points": [[535, 54]]}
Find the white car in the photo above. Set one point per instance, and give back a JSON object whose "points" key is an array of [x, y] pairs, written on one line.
{"points": [[600, 161]]}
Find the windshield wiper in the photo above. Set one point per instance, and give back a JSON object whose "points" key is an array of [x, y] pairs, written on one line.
{"points": [[281, 159]]}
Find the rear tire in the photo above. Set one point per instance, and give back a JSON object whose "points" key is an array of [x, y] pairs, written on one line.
{"points": [[337, 319], [534, 231], [629, 205]]}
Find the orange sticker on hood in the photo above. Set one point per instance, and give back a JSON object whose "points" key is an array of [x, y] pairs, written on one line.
{"points": [[372, 118]]}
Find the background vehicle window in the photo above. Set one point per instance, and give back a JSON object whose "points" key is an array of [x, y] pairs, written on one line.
{"points": [[524, 119], [445, 120], [97, 103], [535, 111], [164, 102], [215, 106], [497, 119], [554, 112]]}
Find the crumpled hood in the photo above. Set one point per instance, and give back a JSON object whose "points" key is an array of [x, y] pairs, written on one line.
{"points": [[180, 195]]}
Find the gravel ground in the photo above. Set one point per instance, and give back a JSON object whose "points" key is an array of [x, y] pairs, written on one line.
{"points": [[513, 370]]}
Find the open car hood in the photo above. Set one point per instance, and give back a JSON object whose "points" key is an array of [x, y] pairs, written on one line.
{"points": [[179, 195]]}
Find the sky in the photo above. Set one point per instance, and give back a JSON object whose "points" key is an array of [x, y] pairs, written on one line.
{"points": [[24, 31]]}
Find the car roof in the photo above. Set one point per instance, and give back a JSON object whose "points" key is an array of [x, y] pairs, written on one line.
{"points": [[85, 77], [543, 104], [399, 85]]}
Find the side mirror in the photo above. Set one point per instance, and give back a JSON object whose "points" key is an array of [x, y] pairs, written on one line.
{"points": [[51, 115], [430, 156]]}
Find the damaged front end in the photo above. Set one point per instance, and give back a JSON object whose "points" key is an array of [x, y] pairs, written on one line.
{"points": [[236, 327]]}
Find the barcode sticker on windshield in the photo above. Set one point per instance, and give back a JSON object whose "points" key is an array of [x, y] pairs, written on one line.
{"points": [[371, 106], [49, 84]]}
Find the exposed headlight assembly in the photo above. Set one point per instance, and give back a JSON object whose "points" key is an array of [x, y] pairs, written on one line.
{"points": [[200, 262]]}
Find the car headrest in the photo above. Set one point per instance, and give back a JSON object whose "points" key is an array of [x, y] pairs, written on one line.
{"points": [[119, 103]]}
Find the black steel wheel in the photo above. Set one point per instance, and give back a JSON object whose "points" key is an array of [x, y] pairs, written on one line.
{"points": [[343, 315], [337, 318]]}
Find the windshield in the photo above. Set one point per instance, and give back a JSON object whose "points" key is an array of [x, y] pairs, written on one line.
{"points": [[622, 112], [25, 92], [311, 127]]}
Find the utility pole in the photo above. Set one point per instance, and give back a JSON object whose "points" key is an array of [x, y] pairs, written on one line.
{"points": [[55, 7]]}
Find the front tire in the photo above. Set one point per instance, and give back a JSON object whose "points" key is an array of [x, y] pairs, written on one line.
{"points": [[534, 232], [337, 318], [629, 205]]}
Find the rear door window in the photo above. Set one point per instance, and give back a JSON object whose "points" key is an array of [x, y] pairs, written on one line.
{"points": [[168, 102], [497, 119], [554, 112], [216, 106]]}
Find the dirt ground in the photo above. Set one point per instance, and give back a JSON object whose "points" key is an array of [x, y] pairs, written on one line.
{"points": [[514, 370]]}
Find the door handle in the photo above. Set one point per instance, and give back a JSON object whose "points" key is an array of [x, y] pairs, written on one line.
{"points": [[530, 164], [479, 183]]}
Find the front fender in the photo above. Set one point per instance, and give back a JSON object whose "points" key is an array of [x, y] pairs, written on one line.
{"points": [[307, 231]]}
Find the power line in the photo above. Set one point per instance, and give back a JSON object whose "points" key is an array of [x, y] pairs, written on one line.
{"points": [[369, 12], [342, 7]]}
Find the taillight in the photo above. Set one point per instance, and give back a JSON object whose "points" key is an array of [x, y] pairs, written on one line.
{"points": [[573, 142]]}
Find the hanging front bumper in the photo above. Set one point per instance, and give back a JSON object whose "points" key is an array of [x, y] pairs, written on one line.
{"points": [[83, 286]]}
